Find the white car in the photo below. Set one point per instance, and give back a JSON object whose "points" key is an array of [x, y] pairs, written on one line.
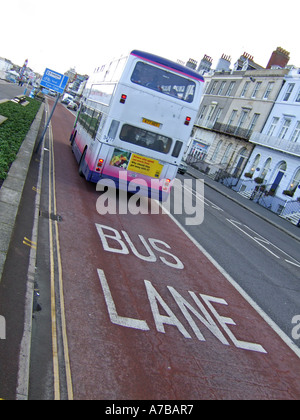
{"points": [[72, 105]]}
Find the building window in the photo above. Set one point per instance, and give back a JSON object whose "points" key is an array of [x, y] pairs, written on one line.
{"points": [[232, 117], [245, 88], [298, 97], [201, 114], [268, 90], [226, 155], [253, 166], [296, 133], [216, 152], [266, 168], [253, 122], [230, 88], [218, 113], [213, 88], [221, 88], [256, 89], [284, 128], [294, 184], [289, 91], [242, 119], [211, 110], [273, 126]]}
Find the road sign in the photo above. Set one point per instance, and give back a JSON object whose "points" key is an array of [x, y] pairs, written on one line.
{"points": [[55, 81]]}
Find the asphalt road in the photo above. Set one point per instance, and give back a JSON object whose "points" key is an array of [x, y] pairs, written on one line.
{"points": [[10, 90], [262, 259]]}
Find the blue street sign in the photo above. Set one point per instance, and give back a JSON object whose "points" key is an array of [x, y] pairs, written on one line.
{"points": [[54, 81]]}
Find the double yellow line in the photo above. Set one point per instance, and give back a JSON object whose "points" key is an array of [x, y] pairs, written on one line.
{"points": [[54, 240]]}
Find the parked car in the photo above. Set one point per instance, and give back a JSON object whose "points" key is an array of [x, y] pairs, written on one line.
{"points": [[66, 99], [72, 105], [12, 76], [52, 93], [182, 168]]}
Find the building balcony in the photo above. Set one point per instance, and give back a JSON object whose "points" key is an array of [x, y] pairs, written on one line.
{"points": [[276, 143], [232, 130]]}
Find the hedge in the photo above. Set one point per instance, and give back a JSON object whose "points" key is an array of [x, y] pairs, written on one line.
{"points": [[13, 131]]}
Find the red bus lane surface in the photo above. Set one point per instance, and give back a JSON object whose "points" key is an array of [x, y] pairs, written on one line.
{"points": [[148, 315]]}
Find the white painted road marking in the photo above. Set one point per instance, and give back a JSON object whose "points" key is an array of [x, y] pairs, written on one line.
{"points": [[204, 316], [113, 242], [263, 242]]}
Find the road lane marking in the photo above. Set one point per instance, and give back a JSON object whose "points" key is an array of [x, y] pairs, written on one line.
{"points": [[286, 339], [52, 285], [235, 224], [112, 311], [202, 313], [293, 263], [203, 199], [120, 247], [52, 189], [2, 328], [260, 240], [29, 243]]}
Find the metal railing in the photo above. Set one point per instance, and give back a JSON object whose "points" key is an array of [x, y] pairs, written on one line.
{"points": [[276, 143], [291, 207], [243, 133]]}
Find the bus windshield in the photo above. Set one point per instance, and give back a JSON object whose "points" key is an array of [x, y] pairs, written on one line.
{"points": [[163, 81]]}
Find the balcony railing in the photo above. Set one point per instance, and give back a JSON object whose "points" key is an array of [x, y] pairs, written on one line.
{"points": [[230, 129], [276, 143]]}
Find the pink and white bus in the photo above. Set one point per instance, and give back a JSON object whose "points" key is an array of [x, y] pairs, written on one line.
{"points": [[134, 122]]}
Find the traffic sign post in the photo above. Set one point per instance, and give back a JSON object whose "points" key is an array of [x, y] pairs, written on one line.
{"points": [[57, 82], [54, 81]]}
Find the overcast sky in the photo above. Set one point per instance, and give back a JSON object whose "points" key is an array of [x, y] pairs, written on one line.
{"points": [[60, 34]]}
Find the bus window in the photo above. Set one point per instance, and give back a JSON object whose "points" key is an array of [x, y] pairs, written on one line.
{"points": [[90, 119], [177, 148], [144, 138], [163, 81], [102, 93], [113, 129]]}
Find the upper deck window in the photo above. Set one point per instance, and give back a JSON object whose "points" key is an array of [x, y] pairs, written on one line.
{"points": [[163, 81]]}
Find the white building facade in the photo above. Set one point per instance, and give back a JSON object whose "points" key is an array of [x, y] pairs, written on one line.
{"points": [[234, 105], [272, 175]]}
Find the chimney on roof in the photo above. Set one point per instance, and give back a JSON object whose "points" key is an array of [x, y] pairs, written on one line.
{"points": [[279, 57], [205, 64], [192, 64], [248, 56], [224, 63]]}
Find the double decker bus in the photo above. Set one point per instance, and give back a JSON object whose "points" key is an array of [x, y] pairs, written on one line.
{"points": [[134, 122]]}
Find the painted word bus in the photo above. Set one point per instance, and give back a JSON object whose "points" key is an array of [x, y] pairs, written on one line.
{"points": [[135, 121]]}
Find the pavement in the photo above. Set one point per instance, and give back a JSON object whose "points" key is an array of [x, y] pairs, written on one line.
{"points": [[12, 189]]}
